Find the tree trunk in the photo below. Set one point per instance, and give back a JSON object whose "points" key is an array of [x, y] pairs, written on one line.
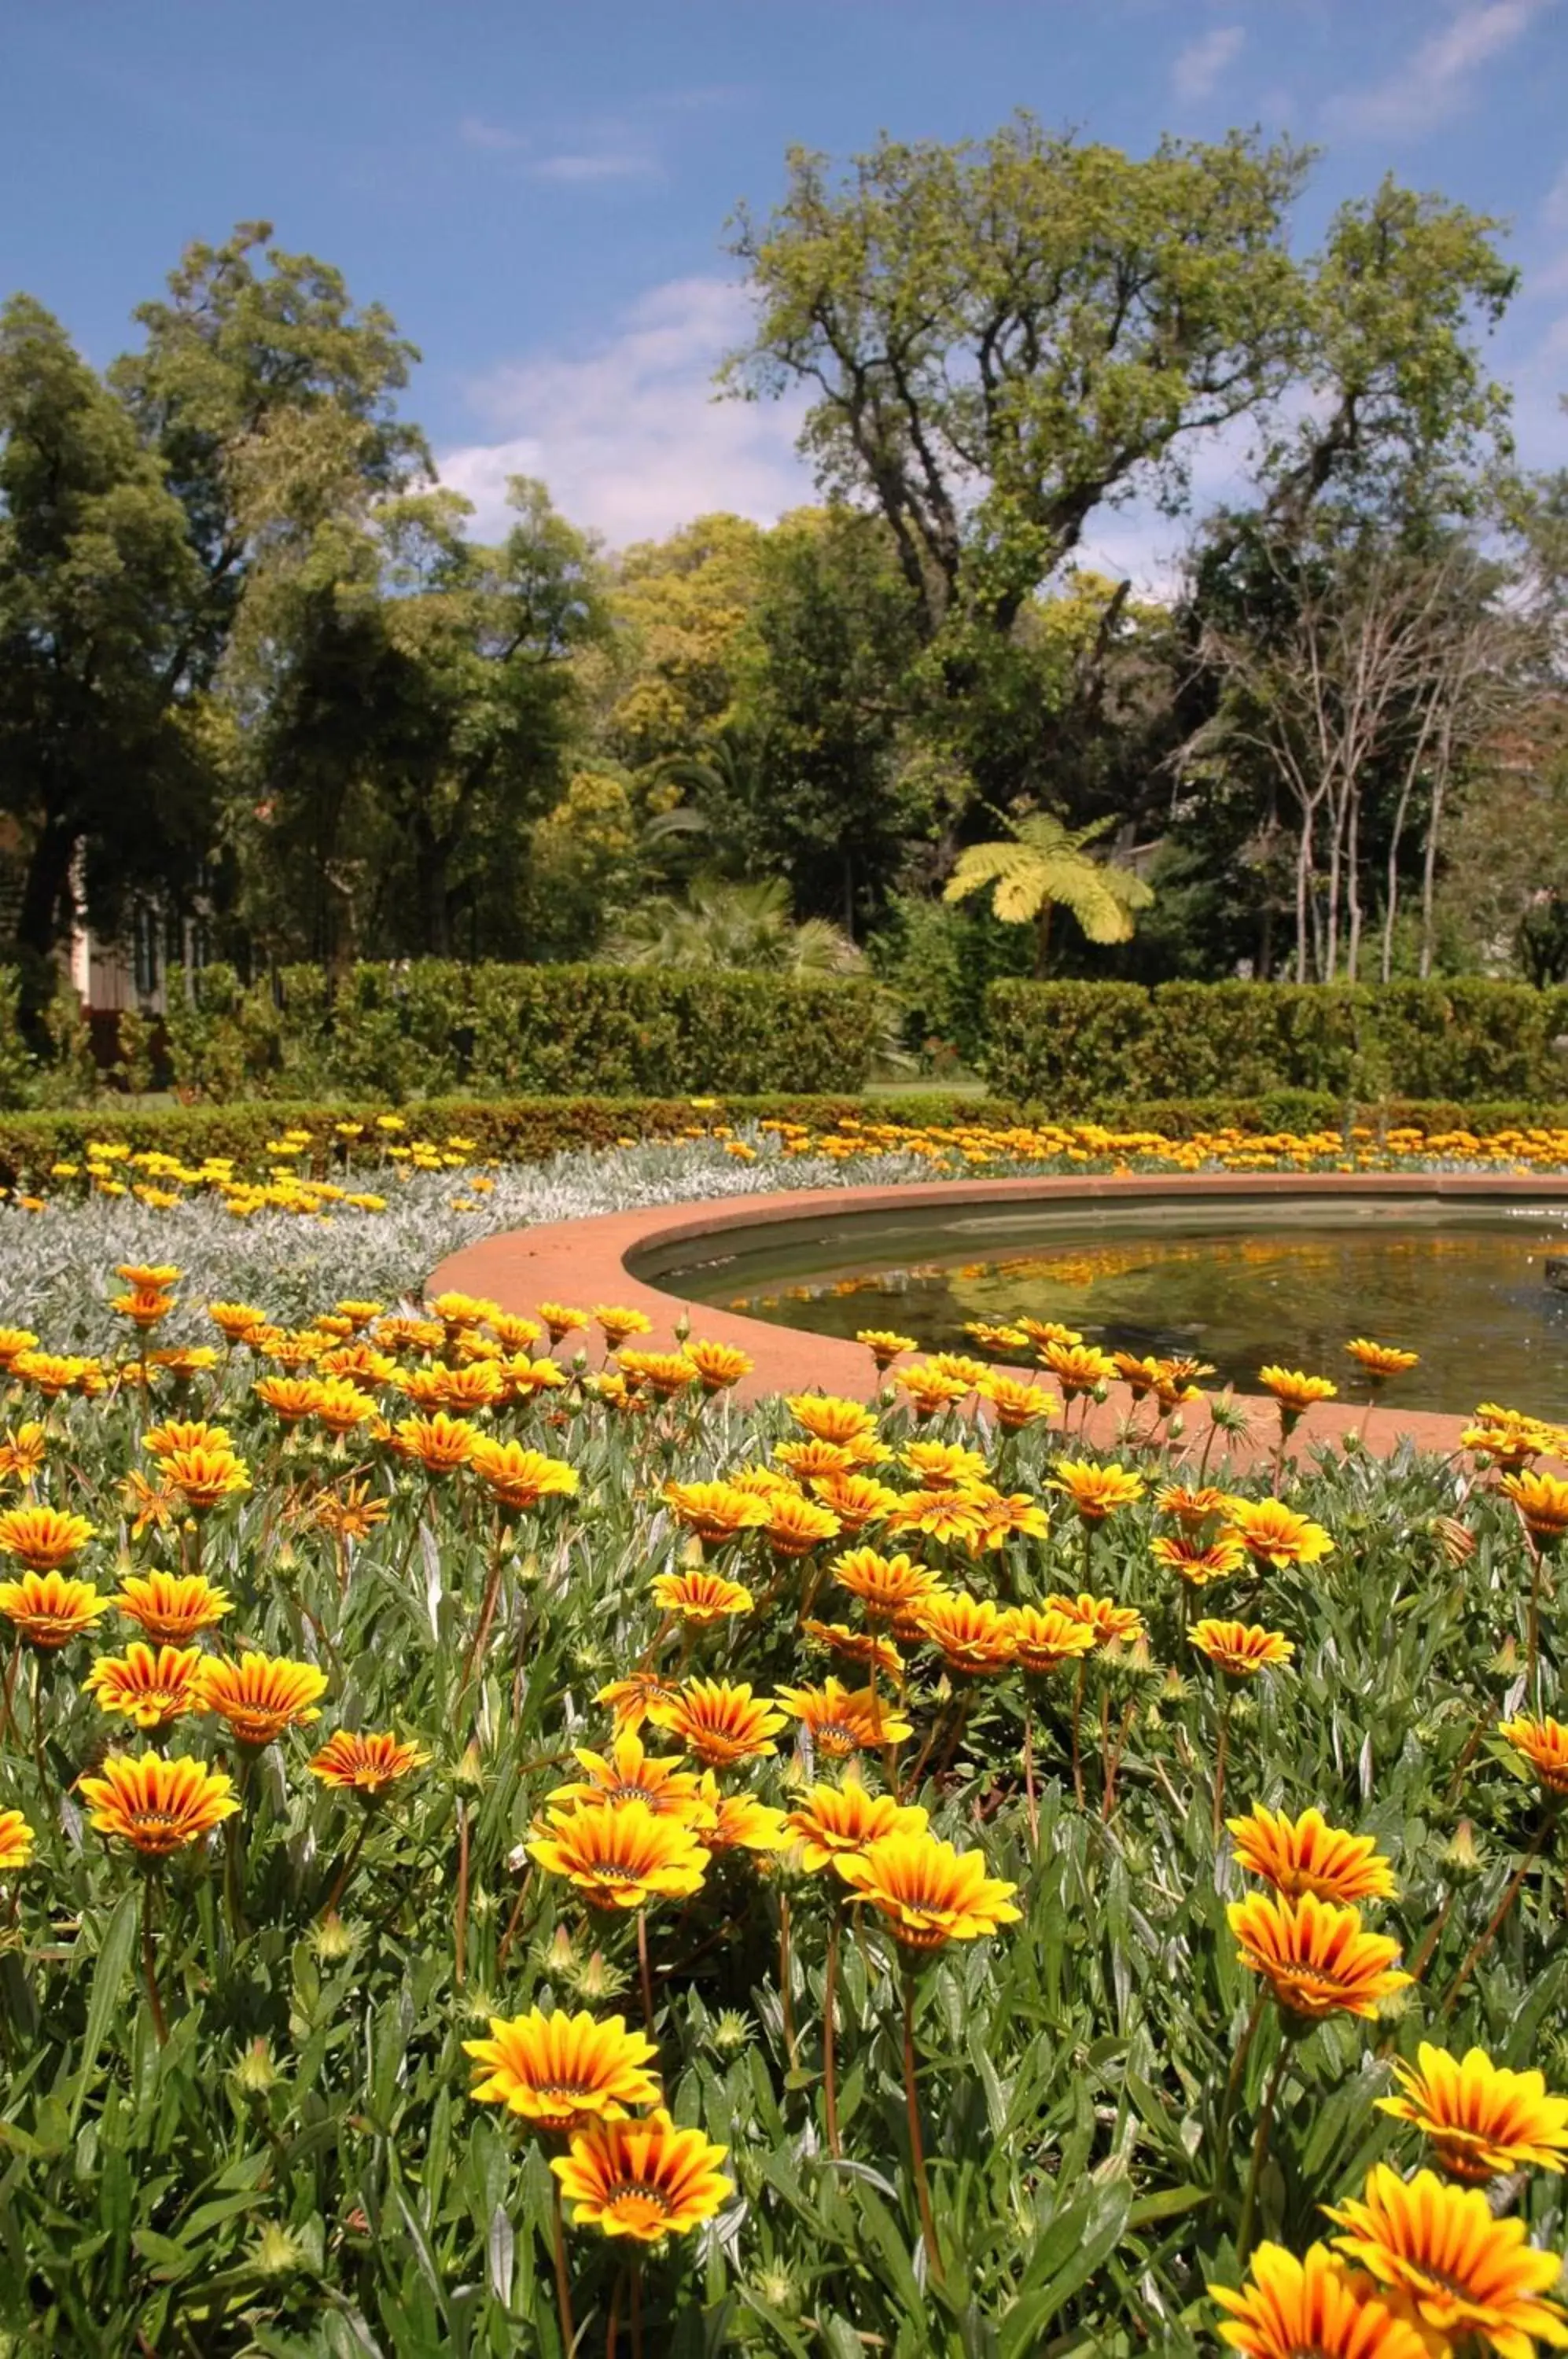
{"points": [[1041, 939], [44, 916]]}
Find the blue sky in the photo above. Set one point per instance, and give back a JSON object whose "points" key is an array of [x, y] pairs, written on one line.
{"points": [[539, 192]]}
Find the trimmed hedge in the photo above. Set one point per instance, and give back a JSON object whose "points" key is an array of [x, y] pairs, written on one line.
{"points": [[528, 1130], [433, 1028], [1088, 1048]]}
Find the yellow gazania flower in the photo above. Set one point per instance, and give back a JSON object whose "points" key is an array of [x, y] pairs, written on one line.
{"points": [[1315, 2306], [1043, 1332], [929, 1892], [945, 1465], [1481, 2118], [43, 1539], [841, 1721], [856, 1646], [944, 1515], [1113, 1625], [150, 1277], [795, 1527], [701, 1597], [1460, 2272], [719, 1366], [159, 1806], [53, 1373], [856, 1499], [1273, 1534], [737, 1821], [13, 1341], [236, 1321], [928, 1387], [839, 1822], [615, 1323], [1095, 1491], [973, 1635], [459, 1311], [1078, 1367], [716, 1512], [718, 1719], [884, 1345], [204, 1478], [1314, 1954], [969, 1371], [358, 1314], [1043, 1637], [516, 1478], [556, 2070], [562, 1320], [1306, 1855], [1543, 1743], [1015, 1517], [365, 1760], [49, 1609], [1192, 1509], [150, 1689], [1380, 1361], [622, 1857], [1510, 1446], [889, 1587], [512, 1334], [630, 1698], [526, 1379], [1017, 1401], [628, 1774], [481, 1386], [171, 1608], [644, 2179], [23, 1453], [441, 1443], [1242, 1648], [342, 1405], [805, 1461], [261, 1695], [1542, 1501], [291, 1399], [1197, 1561], [1294, 1392], [184, 1361], [994, 1338], [185, 1433], [829, 1418], [16, 1841], [144, 1310], [1139, 1375]]}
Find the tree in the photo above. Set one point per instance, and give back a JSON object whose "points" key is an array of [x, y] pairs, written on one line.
{"points": [[1041, 866], [720, 924], [680, 607], [98, 768]]}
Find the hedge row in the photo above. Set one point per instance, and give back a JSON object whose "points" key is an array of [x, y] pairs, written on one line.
{"points": [[528, 1130], [433, 1028], [1079, 1047]]}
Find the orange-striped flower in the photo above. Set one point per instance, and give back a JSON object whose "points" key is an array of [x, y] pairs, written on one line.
{"points": [[150, 1277], [643, 2179], [557, 2070], [841, 1721], [945, 1465], [1542, 1501], [855, 1499], [1543, 1743], [23, 1451], [1314, 1954], [1113, 1625], [185, 1433], [158, 1806], [699, 1596], [1273, 1534], [1242, 1648], [16, 1840], [829, 1418], [516, 1478], [884, 1345], [48, 1609], [867, 1647], [342, 1405], [972, 1634], [716, 1512], [929, 1388], [1312, 2308], [148, 1688], [291, 1399], [441, 1443], [622, 1857], [630, 1773], [945, 1515], [1197, 1561], [145, 1309], [838, 1821], [43, 1539], [365, 1761], [1043, 1637], [927, 1892], [616, 1322], [562, 1320], [1306, 1855], [719, 1366], [721, 1721], [1458, 2272], [236, 1321], [664, 1373], [1294, 1393], [1095, 1491], [1378, 1362], [261, 1695], [1480, 2118], [171, 1608], [13, 1341], [1016, 1401], [629, 1698], [206, 1478], [736, 1822], [1191, 1508], [795, 1527], [1078, 1367], [889, 1587]]}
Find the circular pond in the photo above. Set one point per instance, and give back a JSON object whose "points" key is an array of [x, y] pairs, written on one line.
{"points": [[1234, 1285]]}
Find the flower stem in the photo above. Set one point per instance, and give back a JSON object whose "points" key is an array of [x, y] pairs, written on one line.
{"points": [[830, 2056], [917, 2146], [1479, 1947], [1030, 1803], [562, 2276], [1260, 2150], [1077, 1721], [1221, 1749], [149, 1970], [11, 1669], [460, 1928], [785, 1970], [645, 1971], [351, 1861]]}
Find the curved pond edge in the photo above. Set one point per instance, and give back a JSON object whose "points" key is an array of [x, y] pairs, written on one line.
{"points": [[586, 1262]]}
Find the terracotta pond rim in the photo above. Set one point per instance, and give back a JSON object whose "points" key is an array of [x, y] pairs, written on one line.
{"points": [[588, 1261]]}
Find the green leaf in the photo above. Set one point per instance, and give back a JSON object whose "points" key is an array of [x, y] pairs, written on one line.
{"points": [[109, 1973]]}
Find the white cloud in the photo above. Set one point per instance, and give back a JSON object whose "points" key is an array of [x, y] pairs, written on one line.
{"points": [[629, 435], [604, 164], [1436, 82], [475, 132], [1198, 67]]}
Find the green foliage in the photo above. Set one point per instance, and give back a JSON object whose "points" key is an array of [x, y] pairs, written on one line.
{"points": [[1080, 1045], [17, 1065], [429, 1027], [1042, 864]]}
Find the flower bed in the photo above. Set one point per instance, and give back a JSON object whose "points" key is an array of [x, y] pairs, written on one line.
{"points": [[500, 1843]]}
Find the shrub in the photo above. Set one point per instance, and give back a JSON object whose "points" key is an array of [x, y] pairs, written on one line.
{"points": [[1082, 1048]]}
